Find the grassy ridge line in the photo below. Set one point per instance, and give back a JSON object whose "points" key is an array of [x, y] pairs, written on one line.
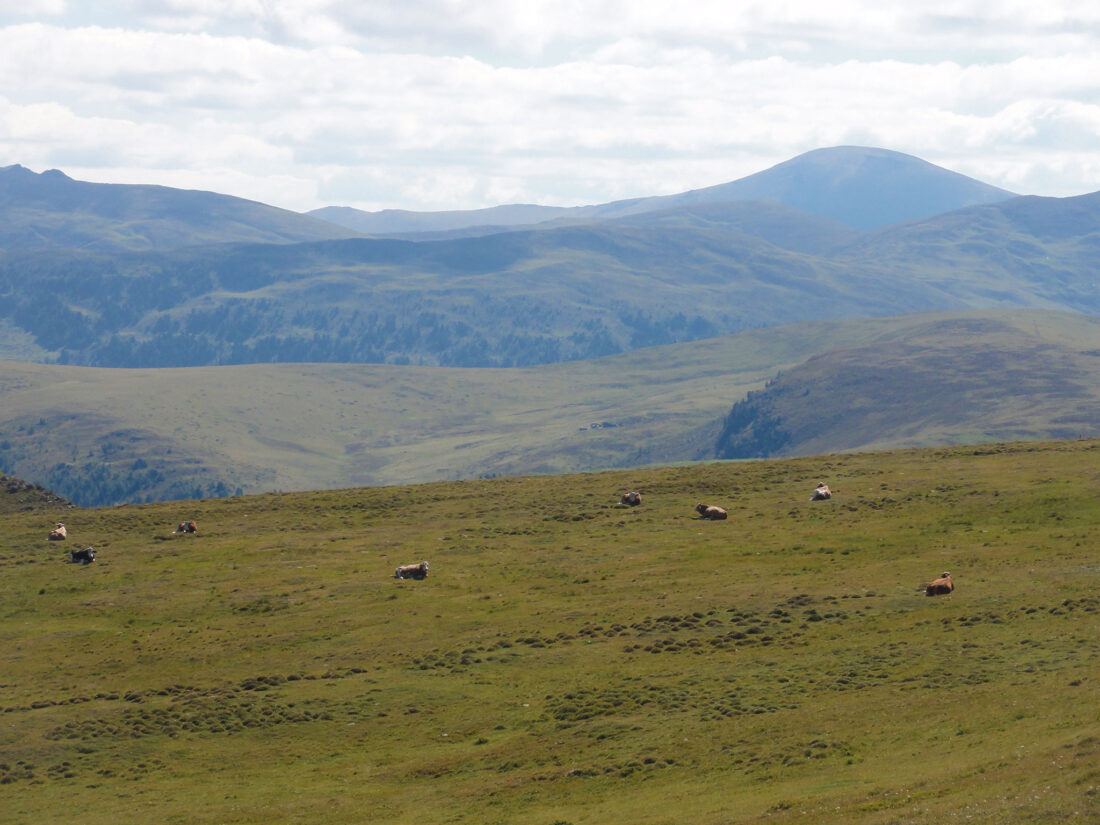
{"points": [[17, 495], [570, 660], [293, 427]]}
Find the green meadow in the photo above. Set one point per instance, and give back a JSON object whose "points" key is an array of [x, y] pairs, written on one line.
{"points": [[570, 660]]}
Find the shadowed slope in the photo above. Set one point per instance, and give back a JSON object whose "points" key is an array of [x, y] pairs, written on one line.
{"points": [[945, 381]]}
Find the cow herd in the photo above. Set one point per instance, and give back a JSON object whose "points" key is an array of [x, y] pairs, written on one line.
{"points": [[821, 492], [86, 555], [709, 512]]}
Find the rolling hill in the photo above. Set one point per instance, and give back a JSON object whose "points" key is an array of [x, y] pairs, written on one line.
{"points": [[568, 660], [947, 380], [103, 436]]}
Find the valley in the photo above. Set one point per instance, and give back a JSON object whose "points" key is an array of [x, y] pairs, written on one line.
{"points": [[106, 436]]}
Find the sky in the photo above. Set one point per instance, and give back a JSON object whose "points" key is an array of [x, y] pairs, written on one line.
{"points": [[463, 104]]}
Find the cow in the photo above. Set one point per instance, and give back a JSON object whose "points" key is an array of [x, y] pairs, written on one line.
{"points": [[412, 571], [59, 533], [631, 499], [821, 492], [940, 586], [85, 556], [187, 527], [709, 512]]}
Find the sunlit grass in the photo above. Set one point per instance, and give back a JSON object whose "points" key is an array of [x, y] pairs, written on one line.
{"points": [[569, 659]]}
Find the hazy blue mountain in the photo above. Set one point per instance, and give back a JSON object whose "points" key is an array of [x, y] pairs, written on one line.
{"points": [[863, 188], [773, 222], [51, 210], [1027, 251]]}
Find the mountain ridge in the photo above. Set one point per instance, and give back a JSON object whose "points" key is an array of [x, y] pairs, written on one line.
{"points": [[50, 210], [862, 187]]}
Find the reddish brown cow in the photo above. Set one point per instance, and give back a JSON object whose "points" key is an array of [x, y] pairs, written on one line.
{"points": [[631, 499], [709, 512], [940, 586], [187, 527], [59, 533]]}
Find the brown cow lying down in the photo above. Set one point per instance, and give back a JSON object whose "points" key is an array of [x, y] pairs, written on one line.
{"points": [[631, 499], [59, 533], [412, 571], [940, 586], [821, 492], [187, 527], [714, 513]]}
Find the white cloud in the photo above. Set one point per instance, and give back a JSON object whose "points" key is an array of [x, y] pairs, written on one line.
{"points": [[31, 8], [437, 104]]}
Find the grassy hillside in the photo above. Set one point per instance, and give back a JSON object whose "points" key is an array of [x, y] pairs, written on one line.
{"points": [[947, 380], [104, 436], [568, 660]]}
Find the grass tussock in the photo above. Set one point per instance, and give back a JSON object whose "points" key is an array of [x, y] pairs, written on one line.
{"points": [[567, 659]]}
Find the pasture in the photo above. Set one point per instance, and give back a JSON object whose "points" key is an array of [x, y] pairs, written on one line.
{"points": [[569, 659]]}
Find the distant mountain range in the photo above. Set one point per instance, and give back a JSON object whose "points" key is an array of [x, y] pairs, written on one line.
{"points": [[860, 187], [632, 274], [615, 318]]}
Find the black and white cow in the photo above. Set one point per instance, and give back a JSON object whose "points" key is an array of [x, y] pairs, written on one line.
{"points": [[412, 571], [85, 556]]}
